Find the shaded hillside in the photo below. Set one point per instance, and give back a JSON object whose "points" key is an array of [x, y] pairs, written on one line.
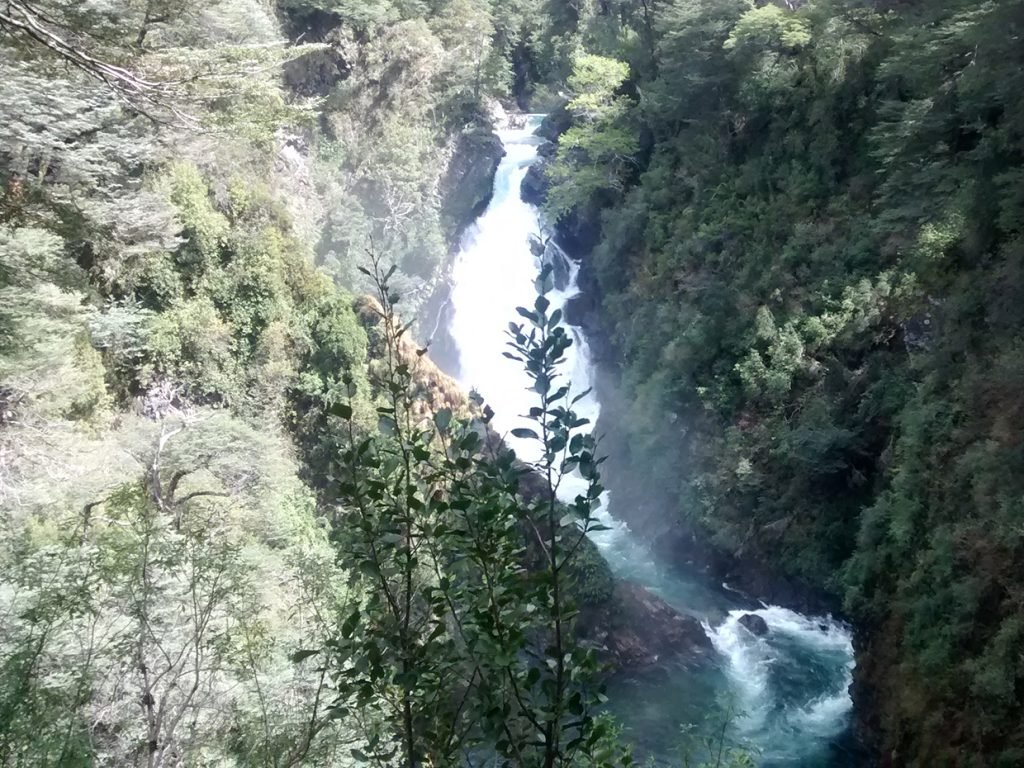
{"points": [[810, 268]]}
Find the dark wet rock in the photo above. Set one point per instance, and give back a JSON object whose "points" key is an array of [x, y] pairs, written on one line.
{"points": [[468, 183], [547, 150], [584, 311], [555, 123], [561, 270], [637, 629], [316, 73], [754, 624], [535, 186], [579, 231]]}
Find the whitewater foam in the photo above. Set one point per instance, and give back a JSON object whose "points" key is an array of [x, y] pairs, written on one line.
{"points": [[749, 660]]}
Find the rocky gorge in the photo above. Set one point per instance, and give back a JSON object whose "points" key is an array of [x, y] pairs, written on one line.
{"points": [[684, 547], [663, 618]]}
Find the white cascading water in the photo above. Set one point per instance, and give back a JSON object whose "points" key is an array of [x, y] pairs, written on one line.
{"points": [[752, 662], [790, 685]]}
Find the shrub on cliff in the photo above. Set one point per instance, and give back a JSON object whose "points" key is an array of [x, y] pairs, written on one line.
{"points": [[452, 644]]}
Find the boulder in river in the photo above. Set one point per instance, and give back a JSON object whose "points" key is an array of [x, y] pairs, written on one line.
{"points": [[547, 150], [555, 123], [637, 629], [534, 189], [754, 624]]}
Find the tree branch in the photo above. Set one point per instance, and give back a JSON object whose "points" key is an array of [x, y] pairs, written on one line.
{"points": [[21, 18], [197, 494]]}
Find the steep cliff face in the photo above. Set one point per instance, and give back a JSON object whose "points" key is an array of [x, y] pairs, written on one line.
{"points": [[468, 182], [403, 139], [814, 286]]}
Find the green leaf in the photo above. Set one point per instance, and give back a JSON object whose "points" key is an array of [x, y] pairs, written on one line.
{"points": [[443, 418], [527, 314], [349, 625], [544, 282], [302, 655], [470, 441], [525, 433], [557, 395], [342, 411]]}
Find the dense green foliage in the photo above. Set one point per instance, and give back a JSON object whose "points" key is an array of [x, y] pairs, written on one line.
{"points": [[596, 152], [816, 271], [245, 523], [459, 637], [244, 520], [161, 556]]}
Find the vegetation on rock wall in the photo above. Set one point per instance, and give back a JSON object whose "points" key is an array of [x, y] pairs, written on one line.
{"points": [[814, 270]]}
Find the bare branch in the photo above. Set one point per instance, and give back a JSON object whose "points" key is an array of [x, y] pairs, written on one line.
{"points": [[197, 494], [21, 18]]}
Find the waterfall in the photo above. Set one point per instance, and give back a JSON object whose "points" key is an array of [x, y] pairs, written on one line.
{"points": [[789, 685]]}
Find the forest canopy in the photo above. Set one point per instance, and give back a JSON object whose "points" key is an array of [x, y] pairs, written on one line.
{"points": [[236, 496], [231, 482]]}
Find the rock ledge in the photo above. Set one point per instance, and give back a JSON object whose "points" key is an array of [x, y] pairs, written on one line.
{"points": [[638, 629]]}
